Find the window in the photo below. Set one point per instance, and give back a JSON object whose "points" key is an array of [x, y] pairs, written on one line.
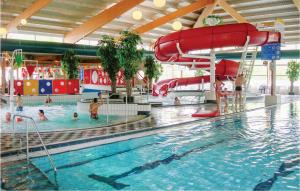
{"points": [[20, 36]]}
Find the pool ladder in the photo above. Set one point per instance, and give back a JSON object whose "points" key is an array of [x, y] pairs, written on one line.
{"points": [[27, 140]]}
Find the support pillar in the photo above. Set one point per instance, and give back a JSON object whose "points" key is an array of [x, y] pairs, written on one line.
{"points": [[272, 99], [11, 87], [3, 79], [210, 96]]}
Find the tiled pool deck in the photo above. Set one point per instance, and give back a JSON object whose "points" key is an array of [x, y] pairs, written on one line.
{"points": [[161, 117]]}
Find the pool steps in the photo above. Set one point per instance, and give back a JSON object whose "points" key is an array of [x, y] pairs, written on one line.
{"points": [[21, 176]]}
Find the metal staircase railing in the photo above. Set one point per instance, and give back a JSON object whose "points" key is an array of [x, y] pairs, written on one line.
{"points": [[246, 66], [27, 139]]}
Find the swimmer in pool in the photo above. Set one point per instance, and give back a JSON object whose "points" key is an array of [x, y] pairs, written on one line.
{"points": [[19, 102], [8, 117], [48, 100], [75, 116], [94, 106], [42, 116]]}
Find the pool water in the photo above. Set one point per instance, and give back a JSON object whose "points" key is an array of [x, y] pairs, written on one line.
{"points": [[256, 150], [59, 118]]}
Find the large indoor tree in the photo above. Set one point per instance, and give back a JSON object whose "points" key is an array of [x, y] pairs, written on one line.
{"points": [[70, 64], [107, 53], [153, 69], [130, 57], [293, 73]]}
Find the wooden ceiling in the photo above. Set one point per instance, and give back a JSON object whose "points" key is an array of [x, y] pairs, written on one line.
{"points": [[63, 17]]}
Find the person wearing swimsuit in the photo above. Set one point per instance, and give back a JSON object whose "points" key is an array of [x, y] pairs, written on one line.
{"points": [[94, 106], [218, 88], [239, 81]]}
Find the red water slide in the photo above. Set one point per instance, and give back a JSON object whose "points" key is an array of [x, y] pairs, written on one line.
{"points": [[224, 69], [206, 38], [210, 37]]}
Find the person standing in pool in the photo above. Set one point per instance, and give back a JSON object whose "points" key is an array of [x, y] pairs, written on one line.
{"points": [[218, 88], [94, 106], [48, 100], [19, 102], [239, 82]]}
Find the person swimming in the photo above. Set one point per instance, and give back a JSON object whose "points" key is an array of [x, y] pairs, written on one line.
{"points": [[177, 101], [8, 117], [19, 102], [42, 116], [75, 116]]}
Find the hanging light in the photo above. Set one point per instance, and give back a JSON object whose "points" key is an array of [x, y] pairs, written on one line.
{"points": [[23, 21], [177, 25], [137, 15], [3, 31], [159, 3]]}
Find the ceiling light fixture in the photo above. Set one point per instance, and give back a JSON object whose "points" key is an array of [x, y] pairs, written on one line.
{"points": [[23, 21], [137, 15], [176, 25], [159, 3]]}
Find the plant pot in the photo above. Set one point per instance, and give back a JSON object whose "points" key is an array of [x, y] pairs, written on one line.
{"points": [[130, 99]]}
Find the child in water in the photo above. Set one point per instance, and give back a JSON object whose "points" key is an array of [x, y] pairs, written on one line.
{"points": [[7, 117], [19, 101], [42, 116], [75, 116]]}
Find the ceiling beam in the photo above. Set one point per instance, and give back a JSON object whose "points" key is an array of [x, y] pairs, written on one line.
{"points": [[99, 20], [238, 17], [297, 3], [206, 11], [36, 6], [178, 13]]}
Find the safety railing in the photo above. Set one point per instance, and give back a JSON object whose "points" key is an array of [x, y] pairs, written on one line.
{"points": [[27, 139]]}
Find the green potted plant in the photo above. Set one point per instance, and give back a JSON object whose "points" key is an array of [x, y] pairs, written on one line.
{"points": [[130, 57], [70, 64], [153, 70], [107, 52], [293, 73]]}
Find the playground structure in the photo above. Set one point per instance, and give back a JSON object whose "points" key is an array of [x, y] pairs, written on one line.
{"points": [[175, 48]]}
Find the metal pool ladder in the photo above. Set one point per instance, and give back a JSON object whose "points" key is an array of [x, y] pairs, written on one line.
{"points": [[27, 139]]}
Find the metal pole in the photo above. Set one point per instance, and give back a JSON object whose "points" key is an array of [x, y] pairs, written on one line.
{"points": [[11, 89], [14, 133], [126, 104], [148, 91], [27, 142], [212, 70], [273, 77], [107, 108]]}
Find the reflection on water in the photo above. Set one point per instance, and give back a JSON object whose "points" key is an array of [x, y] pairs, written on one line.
{"points": [[257, 150]]}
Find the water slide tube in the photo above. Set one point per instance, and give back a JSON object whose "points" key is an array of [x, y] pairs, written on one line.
{"points": [[206, 38], [210, 37], [224, 69]]}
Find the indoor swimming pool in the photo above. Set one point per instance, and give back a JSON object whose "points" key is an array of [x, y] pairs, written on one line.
{"points": [[59, 118], [255, 150]]}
